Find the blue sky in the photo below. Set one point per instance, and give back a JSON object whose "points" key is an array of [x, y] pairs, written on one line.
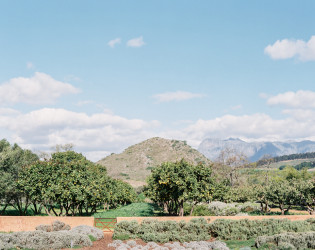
{"points": [[104, 75]]}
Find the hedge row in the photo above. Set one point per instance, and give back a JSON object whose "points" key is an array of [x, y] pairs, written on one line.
{"points": [[199, 229], [304, 240]]}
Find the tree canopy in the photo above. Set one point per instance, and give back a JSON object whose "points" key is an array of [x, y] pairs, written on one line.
{"points": [[172, 184]]}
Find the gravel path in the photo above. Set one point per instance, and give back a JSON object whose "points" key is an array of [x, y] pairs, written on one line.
{"points": [[109, 243]]}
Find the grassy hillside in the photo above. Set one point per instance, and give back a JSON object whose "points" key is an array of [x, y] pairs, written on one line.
{"points": [[136, 162]]}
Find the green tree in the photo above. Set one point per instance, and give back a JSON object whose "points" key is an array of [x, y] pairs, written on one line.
{"points": [[12, 159], [282, 193], [172, 184], [306, 191], [68, 182]]}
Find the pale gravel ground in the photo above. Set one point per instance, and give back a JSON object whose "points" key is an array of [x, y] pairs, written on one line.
{"points": [[194, 245]]}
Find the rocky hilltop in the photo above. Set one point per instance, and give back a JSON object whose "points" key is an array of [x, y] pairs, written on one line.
{"points": [[134, 164], [254, 150]]}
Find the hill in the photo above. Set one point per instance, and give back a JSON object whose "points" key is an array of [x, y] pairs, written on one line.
{"points": [[254, 150], [134, 164]]}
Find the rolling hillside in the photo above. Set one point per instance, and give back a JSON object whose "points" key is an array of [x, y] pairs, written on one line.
{"points": [[134, 164]]}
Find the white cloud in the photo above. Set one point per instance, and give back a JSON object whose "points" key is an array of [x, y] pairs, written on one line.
{"points": [[299, 99], [256, 127], [99, 134], [39, 89], [176, 96], [284, 49], [8, 111], [114, 42], [41, 129], [30, 65], [136, 42]]}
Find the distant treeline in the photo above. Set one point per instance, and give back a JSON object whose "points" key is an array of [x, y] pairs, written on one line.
{"points": [[286, 158], [300, 166]]}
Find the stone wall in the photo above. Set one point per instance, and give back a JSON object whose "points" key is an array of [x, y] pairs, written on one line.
{"points": [[28, 223]]}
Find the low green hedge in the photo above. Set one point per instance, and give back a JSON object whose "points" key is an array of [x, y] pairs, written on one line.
{"points": [[199, 229], [305, 240], [248, 229], [163, 231]]}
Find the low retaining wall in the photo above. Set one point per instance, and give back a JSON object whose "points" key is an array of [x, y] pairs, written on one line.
{"points": [[28, 223], [213, 218]]}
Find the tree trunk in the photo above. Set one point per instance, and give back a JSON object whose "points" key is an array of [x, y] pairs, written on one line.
{"points": [[5, 207], [165, 207], [181, 208], [282, 209], [192, 208]]}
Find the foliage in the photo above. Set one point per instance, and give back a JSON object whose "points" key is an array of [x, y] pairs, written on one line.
{"points": [[172, 184], [131, 244], [12, 159], [164, 231], [282, 193], [303, 240], [302, 165], [308, 155], [242, 193], [199, 210], [44, 240], [81, 185], [199, 229], [247, 229], [218, 208], [306, 194]]}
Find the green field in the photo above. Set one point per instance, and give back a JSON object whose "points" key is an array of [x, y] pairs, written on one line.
{"points": [[132, 210]]}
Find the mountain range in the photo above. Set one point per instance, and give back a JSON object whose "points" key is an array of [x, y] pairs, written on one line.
{"points": [[211, 148]]}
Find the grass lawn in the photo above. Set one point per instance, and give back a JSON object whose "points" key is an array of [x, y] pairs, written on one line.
{"points": [[237, 244], [132, 210]]}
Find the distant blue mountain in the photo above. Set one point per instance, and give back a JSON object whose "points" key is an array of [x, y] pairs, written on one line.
{"points": [[254, 150]]}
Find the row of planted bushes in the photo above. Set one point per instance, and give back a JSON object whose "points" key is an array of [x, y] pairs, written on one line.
{"points": [[198, 229], [218, 208], [305, 240]]}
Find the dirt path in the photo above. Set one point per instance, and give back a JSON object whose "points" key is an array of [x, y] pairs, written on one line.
{"points": [[103, 243]]}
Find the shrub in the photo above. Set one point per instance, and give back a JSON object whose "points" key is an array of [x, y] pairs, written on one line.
{"points": [[247, 229], [53, 227], [121, 236], [199, 210], [163, 231], [219, 208], [118, 244], [44, 240], [198, 229], [289, 240], [87, 230], [5, 245]]}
